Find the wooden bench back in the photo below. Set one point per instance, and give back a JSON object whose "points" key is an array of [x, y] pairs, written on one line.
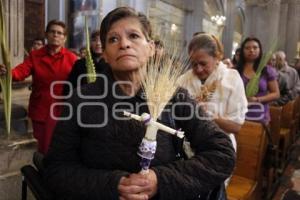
{"points": [[297, 108], [288, 114], [251, 145], [275, 123]]}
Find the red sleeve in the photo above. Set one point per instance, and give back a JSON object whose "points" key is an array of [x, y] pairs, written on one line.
{"points": [[23, 70]]}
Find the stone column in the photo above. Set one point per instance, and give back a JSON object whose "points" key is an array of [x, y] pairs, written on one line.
{"points": [[292, 27], [14, 14], [193, 18], [262, 22], [227, 38], [282, 25]]}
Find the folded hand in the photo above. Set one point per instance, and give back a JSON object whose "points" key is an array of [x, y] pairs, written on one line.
{"points": [[138, 186]]}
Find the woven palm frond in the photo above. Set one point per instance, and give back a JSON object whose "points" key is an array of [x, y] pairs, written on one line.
{"points": [[89, 63], [207, 91]]}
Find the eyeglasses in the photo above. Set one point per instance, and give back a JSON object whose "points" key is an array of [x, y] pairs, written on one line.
{"points": [[57, 32]]}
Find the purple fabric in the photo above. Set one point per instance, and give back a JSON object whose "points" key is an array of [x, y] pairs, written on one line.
{"points": [[260, 111]]}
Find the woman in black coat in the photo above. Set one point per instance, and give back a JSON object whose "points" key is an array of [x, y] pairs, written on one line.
{"points": [[93, 154]]}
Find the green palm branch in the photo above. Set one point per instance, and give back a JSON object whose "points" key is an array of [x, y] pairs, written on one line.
{"points": [[252, 86], [6, 80], [89, 63]]}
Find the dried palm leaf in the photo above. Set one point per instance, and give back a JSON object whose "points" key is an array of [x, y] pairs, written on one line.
{"points": [[160, 82], [207, 91]]}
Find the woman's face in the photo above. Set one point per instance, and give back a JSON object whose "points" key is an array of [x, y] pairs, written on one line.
{"points": [[251, 51], [127, 48], [202, 63], [272, 60], [237, 55], [96, 45]]}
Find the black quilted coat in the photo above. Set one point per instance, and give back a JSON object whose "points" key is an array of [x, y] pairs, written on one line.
{"points": [[96, 147]]}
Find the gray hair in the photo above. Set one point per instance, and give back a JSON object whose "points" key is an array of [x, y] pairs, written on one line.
{"points": [[208, 43]]}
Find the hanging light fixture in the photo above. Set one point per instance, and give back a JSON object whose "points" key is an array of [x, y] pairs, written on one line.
{"points": [[218, 19]]}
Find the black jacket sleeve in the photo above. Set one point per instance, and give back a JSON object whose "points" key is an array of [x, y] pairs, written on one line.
{"points": [[213, 162], [65, 174], [78, 69]]}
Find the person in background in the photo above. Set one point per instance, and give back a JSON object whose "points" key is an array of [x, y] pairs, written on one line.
{"points": [[159, 48], [79, 67], [101, 162], [236, 57], [268, 90], [228, 62], [75, 52], [290, 74], [82, 52], [47, 65], [37, 43], [213, 85], [285, 93]]}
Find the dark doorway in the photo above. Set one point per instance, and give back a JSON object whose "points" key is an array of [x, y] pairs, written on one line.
{"points": [[34, 21]]}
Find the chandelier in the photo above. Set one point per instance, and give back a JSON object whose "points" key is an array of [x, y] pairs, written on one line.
{"points": [[218, 19]]}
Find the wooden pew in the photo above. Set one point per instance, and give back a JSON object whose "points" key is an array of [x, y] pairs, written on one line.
{"points": [[297, 115], [287, 130], [275, 126], [251, 145], [275, 123]]}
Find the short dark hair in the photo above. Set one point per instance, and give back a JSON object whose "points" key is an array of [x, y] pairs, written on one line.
{"points": [[82, 48], [39, 39], [158, 44], [237, 51], [58, 23], [121, 13], [95, 34]]}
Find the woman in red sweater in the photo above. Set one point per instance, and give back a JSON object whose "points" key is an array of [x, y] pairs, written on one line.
{"points": [[47, 65]]}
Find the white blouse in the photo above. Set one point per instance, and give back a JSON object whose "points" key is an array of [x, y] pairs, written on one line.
{"points": [[227, 101]]}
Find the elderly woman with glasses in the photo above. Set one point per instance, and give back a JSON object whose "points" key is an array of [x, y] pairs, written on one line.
{"points": [[51, 63]]}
